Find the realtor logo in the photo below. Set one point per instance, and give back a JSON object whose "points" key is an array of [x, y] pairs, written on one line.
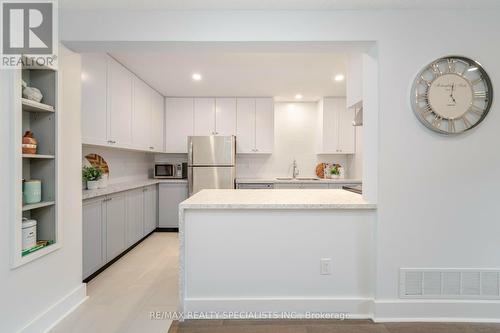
{"points": [[27, 29]]}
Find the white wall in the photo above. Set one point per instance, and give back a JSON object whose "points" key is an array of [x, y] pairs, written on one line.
{"points": [[295, 127], [432, 210], [36, 294], [123, 165]]}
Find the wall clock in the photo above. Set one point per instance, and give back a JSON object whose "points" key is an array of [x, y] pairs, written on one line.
{"points": [[452, 95]]}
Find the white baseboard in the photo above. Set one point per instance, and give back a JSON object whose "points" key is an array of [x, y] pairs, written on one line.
{"points": [[55, 313], [356, 308], [398, 310]]}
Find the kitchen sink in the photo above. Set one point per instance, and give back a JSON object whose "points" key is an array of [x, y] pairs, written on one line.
{"points": [[284, 178], [299, 178]]}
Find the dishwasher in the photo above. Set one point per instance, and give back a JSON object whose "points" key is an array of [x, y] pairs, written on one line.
{"points": [[255, 186]]}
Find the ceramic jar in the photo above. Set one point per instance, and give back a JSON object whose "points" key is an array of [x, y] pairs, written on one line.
{"points": [[30, 144]]}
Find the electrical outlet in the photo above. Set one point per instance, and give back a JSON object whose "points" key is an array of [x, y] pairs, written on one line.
{"points": [[325, 266]]}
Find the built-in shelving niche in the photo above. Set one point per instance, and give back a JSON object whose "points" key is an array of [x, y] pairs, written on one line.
{"points": [[41, 119]]}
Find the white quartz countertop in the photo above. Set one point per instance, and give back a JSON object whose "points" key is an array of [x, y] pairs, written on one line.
{"points": [[276, 199], [125, 186], [296, 181]]}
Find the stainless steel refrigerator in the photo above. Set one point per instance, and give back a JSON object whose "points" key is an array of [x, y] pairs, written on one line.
{"points": [[211, 162]]}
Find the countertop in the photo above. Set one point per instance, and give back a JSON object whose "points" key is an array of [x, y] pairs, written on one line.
{"points": [[276, 199], [125, 186], [299, 181]]}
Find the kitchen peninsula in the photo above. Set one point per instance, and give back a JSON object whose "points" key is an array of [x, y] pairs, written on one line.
{"points": [[276, 250]]}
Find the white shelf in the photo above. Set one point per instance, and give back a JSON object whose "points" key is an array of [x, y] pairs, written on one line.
{"points": [[38, 205], [39, 156], [32, 106]]}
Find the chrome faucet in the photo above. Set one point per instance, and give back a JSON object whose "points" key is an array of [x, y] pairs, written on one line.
{"points": [[295, 171]]}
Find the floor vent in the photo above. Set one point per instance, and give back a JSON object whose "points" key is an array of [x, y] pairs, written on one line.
{"points": [[449, 283]]}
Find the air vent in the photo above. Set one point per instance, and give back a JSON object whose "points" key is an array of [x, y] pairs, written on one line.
{"points": [[449, 283]]}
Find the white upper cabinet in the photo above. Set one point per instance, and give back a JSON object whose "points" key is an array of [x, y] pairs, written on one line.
{"points": [[94, 85], [264, 125], [255, 125], [119, 109], [354, 80], [245, 125], [157, 122], [141, 116], [336, 135], [120, 82], [204, 116], [179, 121], [225, 116], [214, 116]]}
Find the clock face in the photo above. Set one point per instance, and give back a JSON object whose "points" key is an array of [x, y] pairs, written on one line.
{"points": [[452, 95]]}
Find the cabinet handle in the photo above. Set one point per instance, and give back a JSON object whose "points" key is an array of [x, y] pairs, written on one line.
{"points": [[111, 141], [151, 148]]}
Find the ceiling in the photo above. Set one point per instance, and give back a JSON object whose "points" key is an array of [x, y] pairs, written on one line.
{"points": [[280, 75], [273, 4]]}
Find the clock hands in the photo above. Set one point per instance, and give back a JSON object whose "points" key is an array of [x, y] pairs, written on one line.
{"points": [[451, 94]]}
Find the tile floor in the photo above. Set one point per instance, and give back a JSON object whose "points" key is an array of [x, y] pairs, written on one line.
{"points": [[121, 297]]}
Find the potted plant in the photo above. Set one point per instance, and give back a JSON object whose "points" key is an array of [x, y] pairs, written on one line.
{"points": [[335, 171], [92, 175]]}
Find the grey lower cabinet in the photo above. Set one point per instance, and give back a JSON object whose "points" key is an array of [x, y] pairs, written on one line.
{"points": [[116, 218], [112, 223], [170, 196], [150, 208], [94, 252], [135, 216]]}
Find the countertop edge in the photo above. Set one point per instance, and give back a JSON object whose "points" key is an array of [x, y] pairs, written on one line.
{"points": [[366, 206], [126, 186], [296, 181]]}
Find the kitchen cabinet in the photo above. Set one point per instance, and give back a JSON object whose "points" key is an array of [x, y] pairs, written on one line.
{"points": [[245, 125], [118, 108], [94, 256], [255, 125], [225, 116], [215, 116], [179, 122], [336, 135], [113, 223], [157, 122], [135, 216], [116, 208], [94, 99], [204, 116], [141, 115], [150, 209], [170, 196], [354, 80], [119, 104]]}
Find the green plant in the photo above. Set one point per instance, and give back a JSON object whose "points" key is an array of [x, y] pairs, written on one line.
{"points": [[335, 170], [91, 173]]}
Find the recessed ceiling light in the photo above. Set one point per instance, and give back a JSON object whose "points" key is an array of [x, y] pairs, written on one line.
{"points": [[196, 77], [339, 77], [298, 96]]}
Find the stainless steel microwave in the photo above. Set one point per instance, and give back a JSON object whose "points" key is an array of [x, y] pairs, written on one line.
{"points": [[170, 170]]}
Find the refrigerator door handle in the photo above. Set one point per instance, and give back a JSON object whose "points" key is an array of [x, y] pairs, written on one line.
{"points": [[190, 153], [190, 181]]}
